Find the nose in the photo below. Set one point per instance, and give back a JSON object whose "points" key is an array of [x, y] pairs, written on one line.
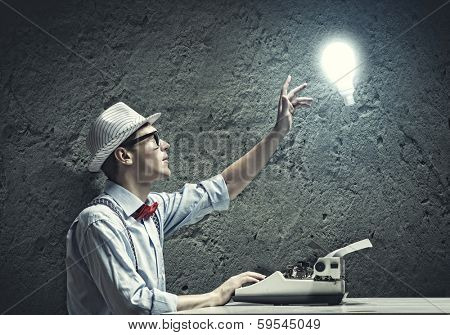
{"points": [[164, 145]]}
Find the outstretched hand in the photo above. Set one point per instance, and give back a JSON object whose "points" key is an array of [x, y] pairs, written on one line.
{"points": [[225, 291], [287, 104]]}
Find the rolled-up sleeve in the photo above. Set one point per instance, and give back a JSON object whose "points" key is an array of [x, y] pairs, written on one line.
{"points": [[105, 248], [191, 203]]}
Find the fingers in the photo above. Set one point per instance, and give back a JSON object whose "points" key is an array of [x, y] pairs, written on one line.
{"points": [[287, 106], [296, 90], [254, 274], [247, 279], [302, 101], [302, 104], [250, 277], [285, 85], [285, 102]]}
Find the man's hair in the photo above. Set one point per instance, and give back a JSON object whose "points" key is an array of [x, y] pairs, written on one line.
{"points": [[109, 167]]}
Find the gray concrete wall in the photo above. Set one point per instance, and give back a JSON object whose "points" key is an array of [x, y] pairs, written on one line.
{"points": [[379, 169]]}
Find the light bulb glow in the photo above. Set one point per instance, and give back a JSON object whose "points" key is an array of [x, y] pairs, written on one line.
{"points": [[339, 63]]}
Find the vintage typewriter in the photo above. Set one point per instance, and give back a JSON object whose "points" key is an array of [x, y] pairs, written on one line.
{"points": [[302, 283]]}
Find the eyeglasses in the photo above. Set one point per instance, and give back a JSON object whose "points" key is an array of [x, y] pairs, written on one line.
{"points": [[141, 138]]}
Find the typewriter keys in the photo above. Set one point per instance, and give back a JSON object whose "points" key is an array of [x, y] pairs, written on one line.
{"points": [[300, 270]]}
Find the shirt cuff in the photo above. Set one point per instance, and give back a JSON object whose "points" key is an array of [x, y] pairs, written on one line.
{"points": [[218, 192], [164, 302]]}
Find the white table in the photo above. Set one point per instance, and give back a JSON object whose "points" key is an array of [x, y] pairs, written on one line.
{"points": [[349, 306]]}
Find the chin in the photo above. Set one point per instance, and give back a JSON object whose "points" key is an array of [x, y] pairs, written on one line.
{"points": [[166, 173], [155, 176]]}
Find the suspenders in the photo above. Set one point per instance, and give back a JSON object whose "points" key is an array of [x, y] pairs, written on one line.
{"points": [[113, 207]]}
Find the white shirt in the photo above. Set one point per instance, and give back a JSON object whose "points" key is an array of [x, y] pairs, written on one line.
{"points": [[101, 273]]}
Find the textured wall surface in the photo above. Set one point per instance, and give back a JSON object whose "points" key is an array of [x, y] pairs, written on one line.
{"points": [[379, 169]]}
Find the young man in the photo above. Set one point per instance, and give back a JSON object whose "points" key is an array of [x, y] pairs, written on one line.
{"points": [[114, 247]]}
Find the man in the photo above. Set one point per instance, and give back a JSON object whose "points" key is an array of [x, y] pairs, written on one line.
{"points": [[114, 248]]}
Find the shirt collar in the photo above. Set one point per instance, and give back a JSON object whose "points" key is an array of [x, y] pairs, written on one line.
{"points": [[127, 200]]}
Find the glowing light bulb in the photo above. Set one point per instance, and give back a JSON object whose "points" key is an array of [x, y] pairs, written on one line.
{"points": [[339, 63]]}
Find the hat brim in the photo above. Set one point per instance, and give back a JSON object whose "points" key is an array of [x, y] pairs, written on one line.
{"points": [[100, 157]]}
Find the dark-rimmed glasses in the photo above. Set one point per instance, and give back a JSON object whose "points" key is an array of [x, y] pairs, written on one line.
{"points": [[141, 138]]}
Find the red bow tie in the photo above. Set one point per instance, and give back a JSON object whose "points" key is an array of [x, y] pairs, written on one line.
{"points": [[145, 211]]}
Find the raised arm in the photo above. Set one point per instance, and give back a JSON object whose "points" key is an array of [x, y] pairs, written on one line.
{"points": [[240, 173]]}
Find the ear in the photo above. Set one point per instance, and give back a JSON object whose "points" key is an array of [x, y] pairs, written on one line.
{"points": [[123, 156]]}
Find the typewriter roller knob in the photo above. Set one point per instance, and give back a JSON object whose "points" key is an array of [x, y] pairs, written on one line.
{"points": [[320, 266]]}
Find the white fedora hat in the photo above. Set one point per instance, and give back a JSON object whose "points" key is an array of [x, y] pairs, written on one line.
{"points": [[110, 129]]}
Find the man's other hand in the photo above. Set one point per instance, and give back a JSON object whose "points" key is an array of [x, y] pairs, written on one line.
{"points": [[224, 292]]}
